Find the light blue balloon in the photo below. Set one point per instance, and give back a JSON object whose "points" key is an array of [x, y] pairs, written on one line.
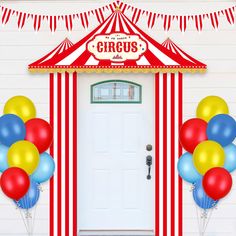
{"points": [[201, 198], [31, 197], [230, 157], [45, 169], [3, 158], [186, 168]]}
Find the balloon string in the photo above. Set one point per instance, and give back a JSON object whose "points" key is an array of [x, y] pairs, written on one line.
{"points": [[30, 204], [201, 222], [204, 222], [33, 212], [34, 218], [203, 215], [198, 220], [27, 218], [23, 219], [26, 213], [205, 201], [209, 217]]}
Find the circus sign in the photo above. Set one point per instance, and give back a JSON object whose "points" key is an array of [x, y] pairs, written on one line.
{"points": [[117, 47]]}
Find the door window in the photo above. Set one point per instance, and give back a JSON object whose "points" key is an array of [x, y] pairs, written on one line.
{"points": [[116, 91]]}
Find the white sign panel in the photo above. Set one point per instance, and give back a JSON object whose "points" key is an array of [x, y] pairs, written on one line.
{"points": [[117, 47]]}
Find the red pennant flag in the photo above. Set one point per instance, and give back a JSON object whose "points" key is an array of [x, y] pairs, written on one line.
{"points": [[151, 19], [229, 13], [121, 5], [69, 22], [167, 22], [112, 7], [21, 18], [99, 15], [183, 20], [136, 15], [214, 20], [53, 23], [124, 8], [198, 22], [84, 19], [6, 14], [37, 21]]}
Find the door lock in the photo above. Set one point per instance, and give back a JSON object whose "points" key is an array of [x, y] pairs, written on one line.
{"points": [[149, 163]]}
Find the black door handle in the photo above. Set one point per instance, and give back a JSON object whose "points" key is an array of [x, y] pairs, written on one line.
{"points": [[149, 163], [149, 147]]}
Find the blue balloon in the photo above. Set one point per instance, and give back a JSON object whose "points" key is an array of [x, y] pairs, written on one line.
{"points": [[230, 157], [186, 168], [12, 129], [201, 198], [222, 129], [45, 169], [3, 158], [31, 197]]}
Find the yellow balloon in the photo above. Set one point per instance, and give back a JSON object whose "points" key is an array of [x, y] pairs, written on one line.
{"points": [[25, 155], [207, 155], [211, 106], [20, 106]]}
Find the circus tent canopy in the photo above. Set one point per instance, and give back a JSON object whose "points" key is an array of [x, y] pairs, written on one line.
{"points": [[169, 44], [63, 46], [153, 57]]}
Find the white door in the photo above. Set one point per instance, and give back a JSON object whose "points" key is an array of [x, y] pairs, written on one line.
{"points": [[114, 192]]}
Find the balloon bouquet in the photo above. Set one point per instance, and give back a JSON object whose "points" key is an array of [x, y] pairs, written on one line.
{"points": [[23, 161], [210, 156]]}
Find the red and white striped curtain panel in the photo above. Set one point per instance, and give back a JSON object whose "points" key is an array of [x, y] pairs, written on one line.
{"points": [[168, 118], [63, 187]]}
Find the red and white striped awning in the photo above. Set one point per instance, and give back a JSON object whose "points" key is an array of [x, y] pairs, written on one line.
{"points": [[169, 44], [156, 58], [63, 46]]}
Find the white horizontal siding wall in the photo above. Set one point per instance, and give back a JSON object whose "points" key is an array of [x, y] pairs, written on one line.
{"points": [[216, 48]]}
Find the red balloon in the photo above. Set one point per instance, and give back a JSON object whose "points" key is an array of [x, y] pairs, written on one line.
{"points": [[39, 132], [15, 183], [192, 133], [217, 183]]}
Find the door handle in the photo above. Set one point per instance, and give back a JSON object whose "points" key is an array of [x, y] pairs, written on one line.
{"points": [[149, 163], [149, 147]]}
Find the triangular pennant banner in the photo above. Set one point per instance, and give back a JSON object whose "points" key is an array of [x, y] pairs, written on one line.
{"points": [[136, 14]]}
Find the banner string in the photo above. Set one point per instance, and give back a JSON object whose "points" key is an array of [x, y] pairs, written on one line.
{"points": [[152, 17]]}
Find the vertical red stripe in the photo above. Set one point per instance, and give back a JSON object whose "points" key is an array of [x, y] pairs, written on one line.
{"points": [[180, 153], [75, 154], [59, 153], [51, 108], [164, 154], [67, 154], [157, 153], [173, 154]]}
